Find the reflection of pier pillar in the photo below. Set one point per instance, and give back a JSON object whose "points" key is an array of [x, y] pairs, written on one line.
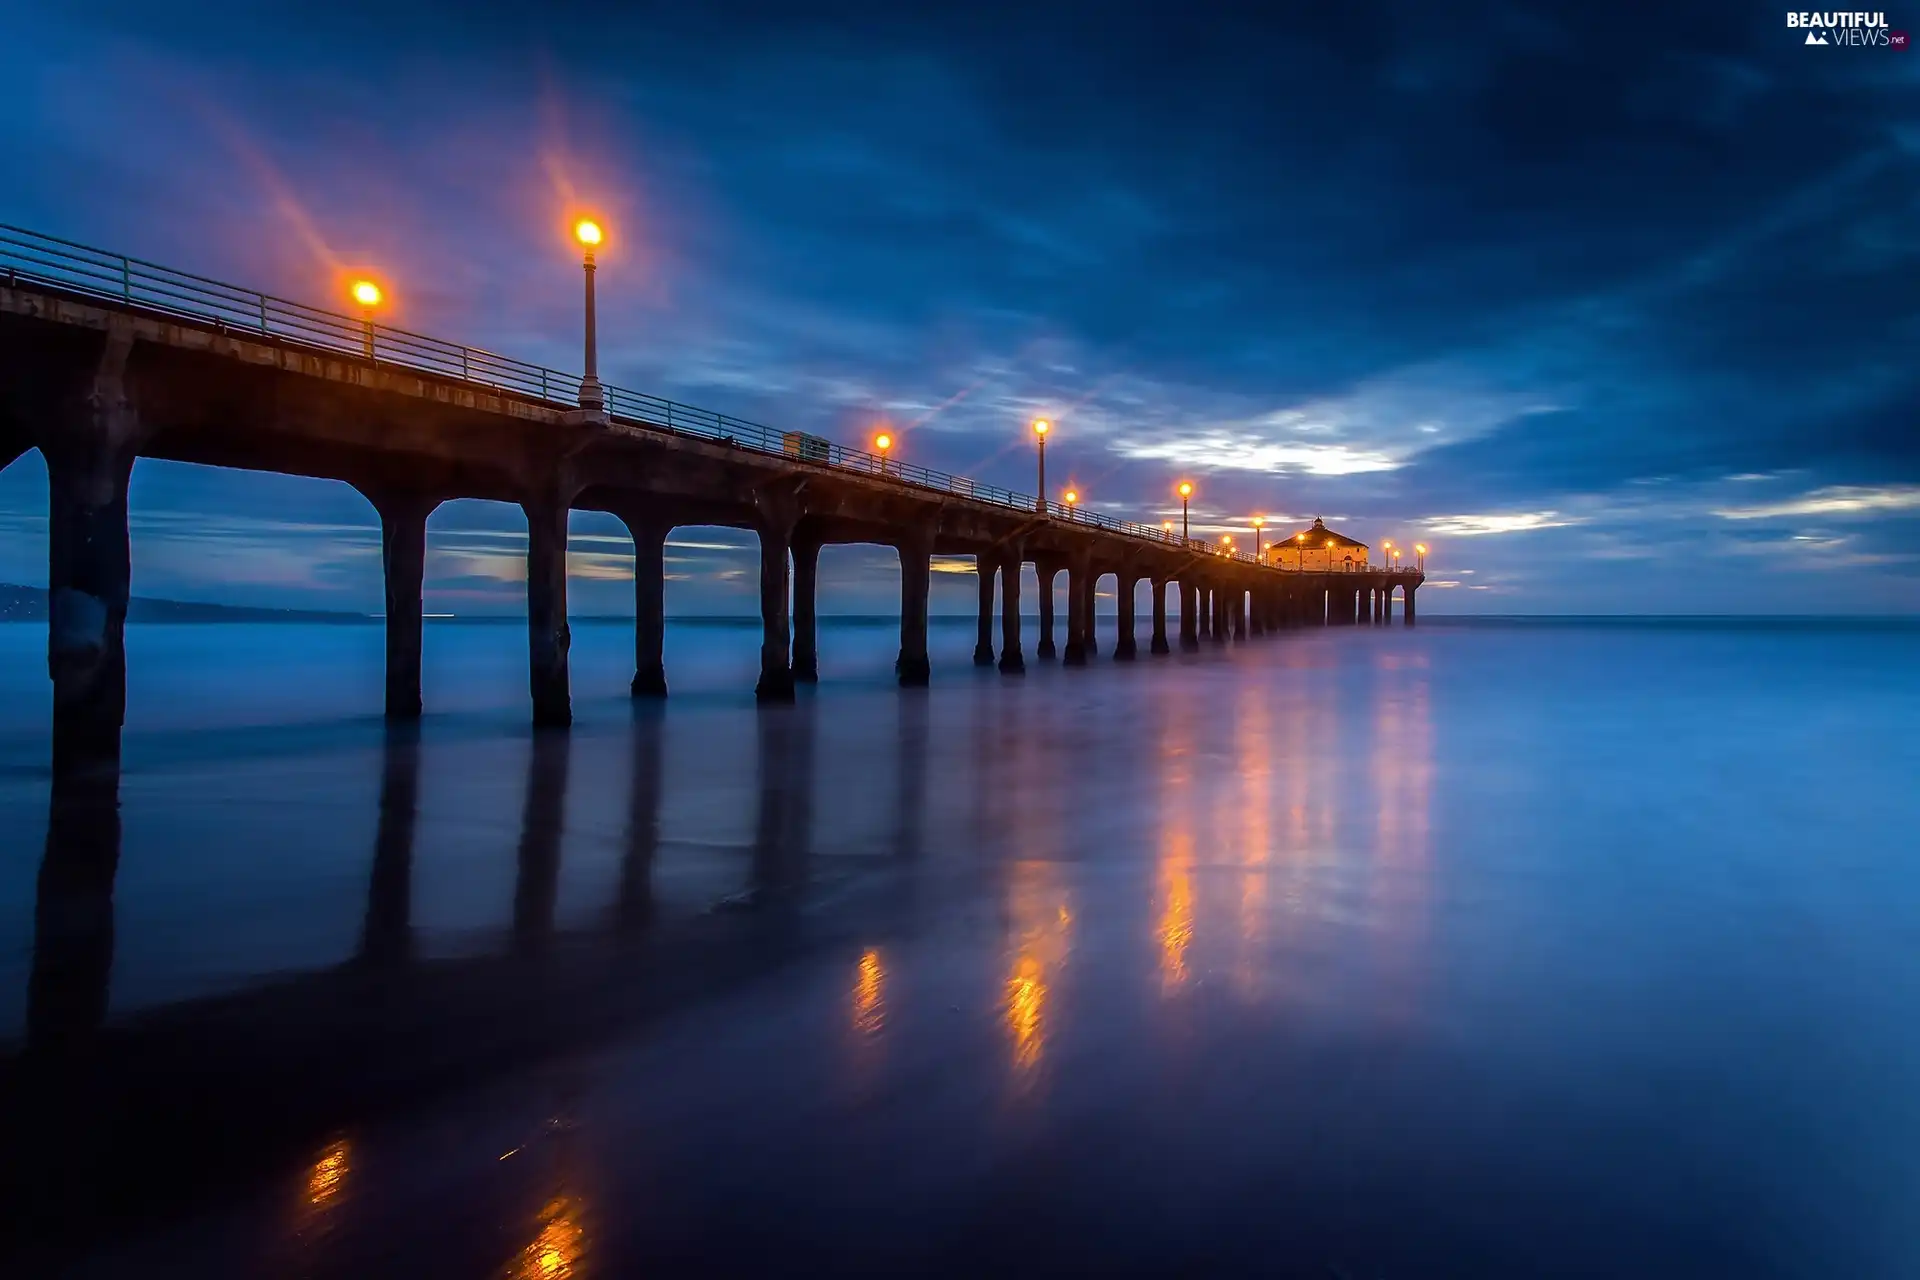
{"points": [[1047, 572], [1012, 661], [916, 573], [635, 906], [548, 638], [1189, 616], [73, 911], [806, 625], [1124, 646], [783, 818], [537, 888], [403, 559], [387, 937], [649, 607], [983, 641]]}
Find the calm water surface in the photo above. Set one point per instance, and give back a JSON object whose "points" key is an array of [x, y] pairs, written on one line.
{"points": [[1493, 950]]}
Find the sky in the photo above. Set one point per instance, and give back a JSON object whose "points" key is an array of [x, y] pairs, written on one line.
{"points": [[1615, 306]]}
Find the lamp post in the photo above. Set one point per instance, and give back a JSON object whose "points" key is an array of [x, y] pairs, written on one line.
{"points": [[1420, 552], [592, 398], [1072, 498], [1259, 523], [1186, 492], [1166, 527], [1387, 548], [1040, 428], [1329, 555], [882, 443], [369, 296], [1226, 544]]}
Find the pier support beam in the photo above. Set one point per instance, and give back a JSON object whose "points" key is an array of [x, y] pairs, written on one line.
{"points": [[983, 646], [1410, 589], [649, 607], [1012, 661], [806, 625], [1158, 644], [1189, 616], [1258, 621], [776, 672], [916, 577], [89, 459], [548, 639], [1079, 570], [1047, 572], [1124, 647], [1218, 632], [1386, 607], [1089, 633], [403, 560]]}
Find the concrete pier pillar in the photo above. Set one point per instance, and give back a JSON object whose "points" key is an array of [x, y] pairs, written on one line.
{"points": [[1089, 632], [1410, 589], [1125, 648], [1189, 616], [916, 576], [1259, 620], [776, 640], [89, 571], [1158, 644], [649, 607], [1218, 619], [983, 568], [1047, 573], [1386, 607], [1079, 621], [806, 626], [403, 560], [1012, 661], [548, 639]]}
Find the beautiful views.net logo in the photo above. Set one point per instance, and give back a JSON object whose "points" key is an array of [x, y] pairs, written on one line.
{"points": [[1858, 30]]}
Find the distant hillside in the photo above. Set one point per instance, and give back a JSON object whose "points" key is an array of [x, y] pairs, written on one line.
{"points": [[29, 604]]}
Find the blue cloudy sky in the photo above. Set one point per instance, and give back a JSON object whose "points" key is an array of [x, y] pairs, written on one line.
{"points": [[1614, 304]]}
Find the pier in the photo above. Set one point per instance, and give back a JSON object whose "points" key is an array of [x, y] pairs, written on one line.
{"points": [[105, 359]]}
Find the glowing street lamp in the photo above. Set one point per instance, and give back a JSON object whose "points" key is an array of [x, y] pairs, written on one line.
{"points": [[1420, 551], [1259, 523], [1166, 527], [882, 443], [1072, 498], [1387, 546], [1040, 428], [1186, 492], [592, 398], [368, 295]]}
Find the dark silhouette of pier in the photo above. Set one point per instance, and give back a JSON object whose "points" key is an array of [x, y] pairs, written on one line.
{"points": [[104, 359]]}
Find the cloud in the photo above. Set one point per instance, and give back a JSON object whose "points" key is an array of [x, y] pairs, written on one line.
{"points": [[1833, 500], [1473, 526]]}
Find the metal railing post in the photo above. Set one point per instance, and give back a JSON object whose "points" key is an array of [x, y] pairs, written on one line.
{"points": [[126, 279]]}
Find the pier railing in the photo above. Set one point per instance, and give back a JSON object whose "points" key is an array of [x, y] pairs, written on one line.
{"points": [[77, 268]]}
